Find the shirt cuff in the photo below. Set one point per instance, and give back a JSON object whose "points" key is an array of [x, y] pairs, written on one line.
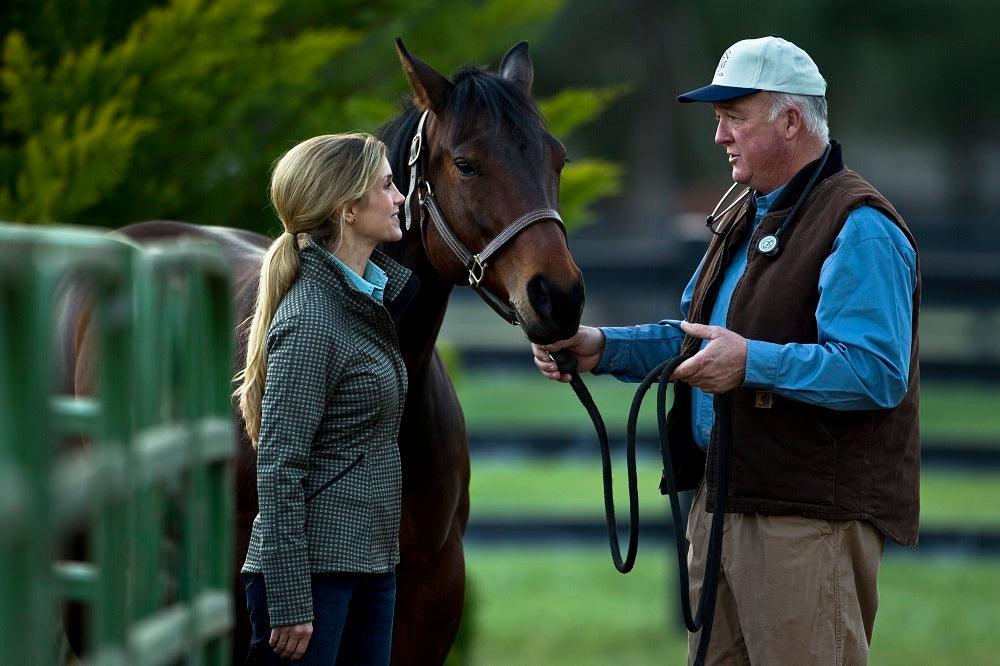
{"points": [[762, 364], [615, 356]]}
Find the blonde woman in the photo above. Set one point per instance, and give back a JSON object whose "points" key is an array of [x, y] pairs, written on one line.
{"points": [[322, 395]]}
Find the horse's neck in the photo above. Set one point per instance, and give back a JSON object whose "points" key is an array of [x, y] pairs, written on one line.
{"points": [[420, 324]]}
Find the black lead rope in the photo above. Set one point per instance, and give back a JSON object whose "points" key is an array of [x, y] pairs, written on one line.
{"points": [[567, 366], [705, 615]]}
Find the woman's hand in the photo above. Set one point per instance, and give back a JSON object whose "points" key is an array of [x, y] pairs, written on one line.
{"points": [[290, 642], [587, 346]]}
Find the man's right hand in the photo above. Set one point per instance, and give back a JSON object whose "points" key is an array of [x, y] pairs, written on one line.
{"points": [[587, 346], [291, 641]]}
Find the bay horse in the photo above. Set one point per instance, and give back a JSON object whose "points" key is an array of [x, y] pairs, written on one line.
{"points": [[488, 159]]}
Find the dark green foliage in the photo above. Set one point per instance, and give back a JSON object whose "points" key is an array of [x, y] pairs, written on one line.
{"points": [[118, 112]]}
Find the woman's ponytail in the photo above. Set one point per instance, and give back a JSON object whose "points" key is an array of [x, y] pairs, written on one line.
{"points": [[278, 272]]}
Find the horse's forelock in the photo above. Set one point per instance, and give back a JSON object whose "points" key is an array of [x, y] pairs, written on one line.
{"points": [[478, 92]]}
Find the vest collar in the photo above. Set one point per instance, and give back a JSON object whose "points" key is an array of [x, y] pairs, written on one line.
{"points": [[794, 187]]}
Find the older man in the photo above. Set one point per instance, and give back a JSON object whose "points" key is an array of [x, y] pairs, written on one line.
{"points": [[805, 308]]}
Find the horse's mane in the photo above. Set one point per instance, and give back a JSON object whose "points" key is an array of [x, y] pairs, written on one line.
{"points": [[397, 134]]}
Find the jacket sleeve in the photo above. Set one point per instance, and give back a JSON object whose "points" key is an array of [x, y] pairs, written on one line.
{"points": [[300, 366]]}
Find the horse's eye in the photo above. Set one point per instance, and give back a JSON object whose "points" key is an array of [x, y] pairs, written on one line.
{"points": [[465, 167]]}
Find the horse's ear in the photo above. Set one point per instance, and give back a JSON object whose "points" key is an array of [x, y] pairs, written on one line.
{"points": [[431, 90], [516, 67]]}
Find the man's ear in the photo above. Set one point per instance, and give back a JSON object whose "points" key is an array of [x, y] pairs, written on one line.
{"points": [[431, 90], [794, 122]]}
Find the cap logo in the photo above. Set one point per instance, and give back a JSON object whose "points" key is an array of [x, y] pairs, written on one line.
{"points": [[722, 64]]}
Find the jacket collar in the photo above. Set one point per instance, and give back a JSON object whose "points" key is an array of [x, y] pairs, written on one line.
{"points": [[399, 290]]}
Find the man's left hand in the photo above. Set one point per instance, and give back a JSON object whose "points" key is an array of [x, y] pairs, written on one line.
{"points": [[720, 366]]}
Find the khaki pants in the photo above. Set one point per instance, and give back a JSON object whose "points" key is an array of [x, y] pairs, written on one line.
{"points": [[792, 590]]}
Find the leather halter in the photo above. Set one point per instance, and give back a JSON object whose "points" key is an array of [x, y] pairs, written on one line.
{"points": [[475, 263]]}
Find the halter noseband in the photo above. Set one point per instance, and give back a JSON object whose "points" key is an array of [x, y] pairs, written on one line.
{"points": [[474, 263]]}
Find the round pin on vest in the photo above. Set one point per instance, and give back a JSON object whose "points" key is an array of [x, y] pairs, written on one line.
{"points": [[768, 244]]}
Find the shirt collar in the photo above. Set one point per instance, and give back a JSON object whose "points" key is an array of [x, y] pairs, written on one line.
{"points": [[764, 201], [372, 283]]}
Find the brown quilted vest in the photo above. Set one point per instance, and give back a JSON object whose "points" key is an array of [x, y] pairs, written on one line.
{"points": [[789, 457]]}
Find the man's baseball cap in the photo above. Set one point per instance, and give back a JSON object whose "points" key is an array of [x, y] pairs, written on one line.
{"points": [[767, 63]]}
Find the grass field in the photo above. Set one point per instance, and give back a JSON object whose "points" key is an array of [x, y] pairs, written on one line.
{"points": [[513, 401], [572, 487], [569, 606]]}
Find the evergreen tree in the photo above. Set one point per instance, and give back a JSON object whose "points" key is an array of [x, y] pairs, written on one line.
{"points": [[134, 111]]}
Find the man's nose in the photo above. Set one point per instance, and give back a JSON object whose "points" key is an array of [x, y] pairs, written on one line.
{"points": [[722, 135]]}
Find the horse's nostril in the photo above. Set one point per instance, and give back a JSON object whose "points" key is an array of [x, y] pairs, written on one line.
{"points": [[553, 305], [538, 296], [541, 299]]}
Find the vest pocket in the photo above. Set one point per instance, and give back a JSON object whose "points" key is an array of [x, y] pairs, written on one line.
{"points": [[784, 453], [337, 477]]}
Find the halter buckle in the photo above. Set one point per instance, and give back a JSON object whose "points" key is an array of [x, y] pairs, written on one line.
{"points": [[476, 271], [424, 191]]}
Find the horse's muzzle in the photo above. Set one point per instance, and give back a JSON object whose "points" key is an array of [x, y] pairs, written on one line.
{"points": [[555, 311]]}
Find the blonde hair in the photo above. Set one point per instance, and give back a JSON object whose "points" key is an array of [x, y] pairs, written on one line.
{"points": [[311, 187]]}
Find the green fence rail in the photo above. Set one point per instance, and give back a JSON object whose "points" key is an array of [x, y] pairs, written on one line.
{"points": [[139, 471]]}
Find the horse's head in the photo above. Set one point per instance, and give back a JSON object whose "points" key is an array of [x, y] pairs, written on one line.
{"points": [[490, 160]]}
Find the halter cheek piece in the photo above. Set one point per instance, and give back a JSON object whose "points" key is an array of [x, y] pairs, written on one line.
{"points": [[475, 263]]}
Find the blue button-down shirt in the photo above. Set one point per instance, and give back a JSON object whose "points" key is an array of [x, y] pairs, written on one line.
{"points": [[863, 321], [372, 283]]}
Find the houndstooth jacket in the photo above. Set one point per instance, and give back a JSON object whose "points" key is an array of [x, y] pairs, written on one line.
{"points": [[328, 469]]}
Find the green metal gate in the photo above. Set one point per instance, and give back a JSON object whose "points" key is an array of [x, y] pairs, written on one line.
{"points": [[159, 438]]}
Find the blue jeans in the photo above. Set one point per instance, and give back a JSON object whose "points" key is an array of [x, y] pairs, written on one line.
{"points": [[352, 620]]}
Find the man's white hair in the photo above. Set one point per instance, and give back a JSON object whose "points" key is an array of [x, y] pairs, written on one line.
{"points": [[812, 107]]}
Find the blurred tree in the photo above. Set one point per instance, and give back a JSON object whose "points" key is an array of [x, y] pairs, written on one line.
{"points": [[57, 27], [114, 112]]}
